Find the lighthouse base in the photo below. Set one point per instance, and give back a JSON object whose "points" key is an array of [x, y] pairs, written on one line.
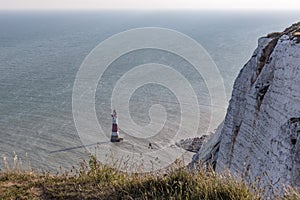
{"points": [[116, 139]]}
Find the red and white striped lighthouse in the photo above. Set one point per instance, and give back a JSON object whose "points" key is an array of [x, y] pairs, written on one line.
{"points": [[115, 130]]}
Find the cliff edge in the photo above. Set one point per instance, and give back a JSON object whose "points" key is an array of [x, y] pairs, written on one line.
{"points": [[260, 136]]}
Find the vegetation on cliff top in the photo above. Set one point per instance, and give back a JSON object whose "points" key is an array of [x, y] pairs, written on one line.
{"points": [[95, 181]]}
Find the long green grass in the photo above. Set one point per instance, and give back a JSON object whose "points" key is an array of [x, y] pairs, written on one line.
{"points": [[96, 181]]}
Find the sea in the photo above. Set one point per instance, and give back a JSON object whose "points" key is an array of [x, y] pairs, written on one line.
{"points": [[42, 52]]}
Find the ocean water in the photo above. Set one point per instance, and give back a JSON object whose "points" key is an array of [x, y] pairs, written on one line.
{"points": [[40, 55]]}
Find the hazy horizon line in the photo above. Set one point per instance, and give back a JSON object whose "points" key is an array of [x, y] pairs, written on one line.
{"points": [[152, 9]]}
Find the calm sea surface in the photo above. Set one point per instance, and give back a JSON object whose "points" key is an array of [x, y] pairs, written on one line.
{"points": [[40, 54]]}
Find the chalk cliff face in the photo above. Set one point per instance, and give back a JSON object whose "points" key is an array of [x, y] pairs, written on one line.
{"points": [[260, 136]]}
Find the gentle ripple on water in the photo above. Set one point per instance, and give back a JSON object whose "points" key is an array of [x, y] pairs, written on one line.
{"points": [[40, 54]]}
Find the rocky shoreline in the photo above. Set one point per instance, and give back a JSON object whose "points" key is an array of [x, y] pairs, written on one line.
{"points": [[192, 144]]}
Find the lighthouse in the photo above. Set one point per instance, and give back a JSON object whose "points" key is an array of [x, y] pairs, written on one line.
{"points": [[115, 130]]}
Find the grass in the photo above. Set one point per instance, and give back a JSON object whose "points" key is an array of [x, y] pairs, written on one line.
{"points": [[96, 181]]}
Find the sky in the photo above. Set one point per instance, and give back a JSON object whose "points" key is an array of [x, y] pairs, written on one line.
{"points": [[148, 4]]}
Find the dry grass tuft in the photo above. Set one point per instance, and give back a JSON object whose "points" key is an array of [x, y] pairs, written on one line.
{"points": [[96, 181]]}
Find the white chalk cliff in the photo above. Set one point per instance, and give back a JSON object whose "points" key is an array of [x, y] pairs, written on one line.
{"points": [[260, 136]]}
